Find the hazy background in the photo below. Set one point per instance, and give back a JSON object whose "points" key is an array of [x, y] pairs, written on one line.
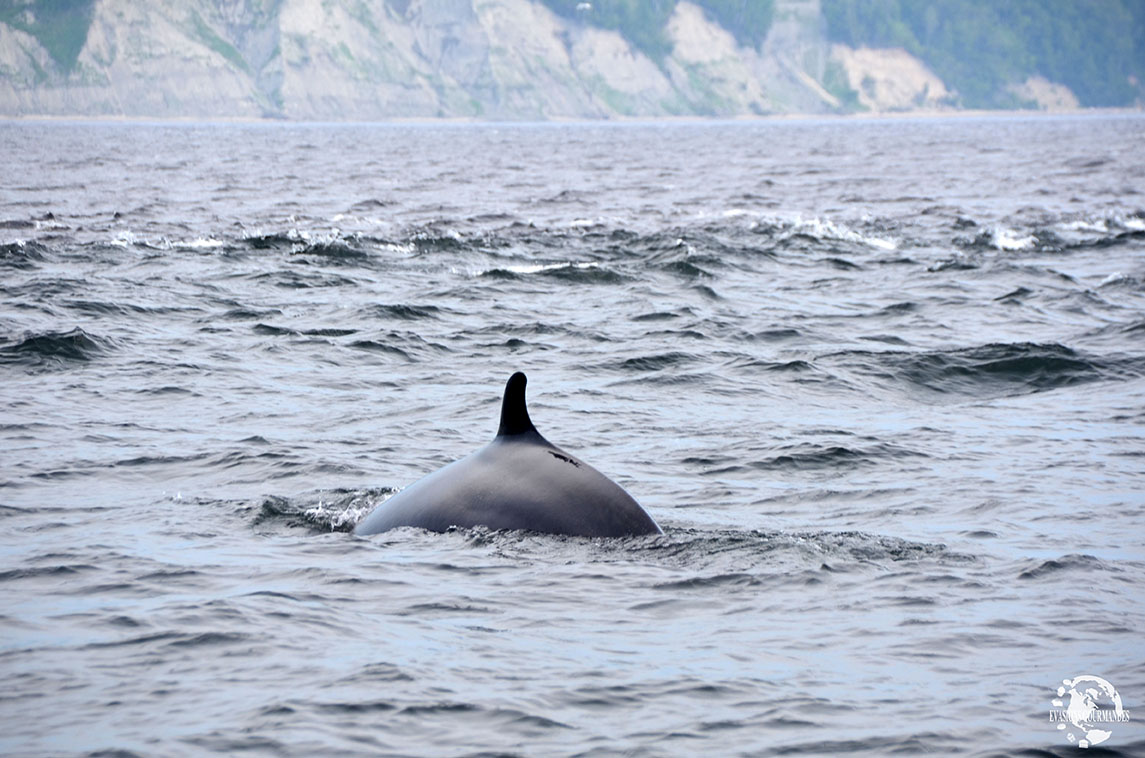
{"points": [[552, 59]]}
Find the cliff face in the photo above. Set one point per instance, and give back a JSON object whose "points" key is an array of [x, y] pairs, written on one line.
{"points": [[357, 60]]}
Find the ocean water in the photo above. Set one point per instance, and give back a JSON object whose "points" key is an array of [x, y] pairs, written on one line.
{"points": [[882, 383]]}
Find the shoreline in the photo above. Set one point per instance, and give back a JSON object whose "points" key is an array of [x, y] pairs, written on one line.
{"points": [[572, 120]]}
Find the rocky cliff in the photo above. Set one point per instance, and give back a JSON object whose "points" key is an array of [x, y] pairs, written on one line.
{"points": [[495, 59]]}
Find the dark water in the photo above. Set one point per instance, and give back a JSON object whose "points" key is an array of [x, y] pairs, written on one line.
{"points": [[882, 383]]}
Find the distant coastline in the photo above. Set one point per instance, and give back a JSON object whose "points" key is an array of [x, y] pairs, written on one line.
{"points": [[617, 120], [529, 60]]}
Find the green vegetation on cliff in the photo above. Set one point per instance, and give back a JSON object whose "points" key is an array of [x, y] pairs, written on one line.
{"points": [[643, 22], [980, 48], [59, 25], [747, 20]]}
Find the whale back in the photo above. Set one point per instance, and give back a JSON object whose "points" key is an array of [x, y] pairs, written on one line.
{"points": [[518, 481]]}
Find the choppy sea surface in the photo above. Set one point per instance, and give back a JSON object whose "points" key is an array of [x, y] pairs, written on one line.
{"points": [[881, 382]]}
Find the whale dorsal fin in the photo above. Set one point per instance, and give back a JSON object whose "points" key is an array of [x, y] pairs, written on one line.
{"points": [[514, 414]]}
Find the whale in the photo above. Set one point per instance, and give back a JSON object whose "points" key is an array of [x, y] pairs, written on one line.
{"points": [[519, 481]]}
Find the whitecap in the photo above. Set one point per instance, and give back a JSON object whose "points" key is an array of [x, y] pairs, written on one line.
{"points": [[335, 516], [1085, 226], [1008, 239], [530, 268], [539, 267], [124, 239], [827, 229], [203, 243]]}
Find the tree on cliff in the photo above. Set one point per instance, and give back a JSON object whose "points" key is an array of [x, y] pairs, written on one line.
{"points": [[982, 47]]}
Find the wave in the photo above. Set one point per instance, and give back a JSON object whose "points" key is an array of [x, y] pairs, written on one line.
{"points": [[825, 230], [583, 273], [693, 250], [991, 370], [690, 251], [401, 311], [376, 346], [36, 572], [333, 249], [304, 279], [1050, 234], [240, 313], [269, 241], [1096, 231], [795, 367], [662, 315], [960, 261], [1001, 238], [22, 254], [589, 272], [408, 346], [436, 241], [1066, 567], [75, 346], [325, 246], [130, 310], [810, 456], [274, 331], [686, 269], [17, 223], [723, 554], [656, 362], [337, 510], [370, 204]]}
